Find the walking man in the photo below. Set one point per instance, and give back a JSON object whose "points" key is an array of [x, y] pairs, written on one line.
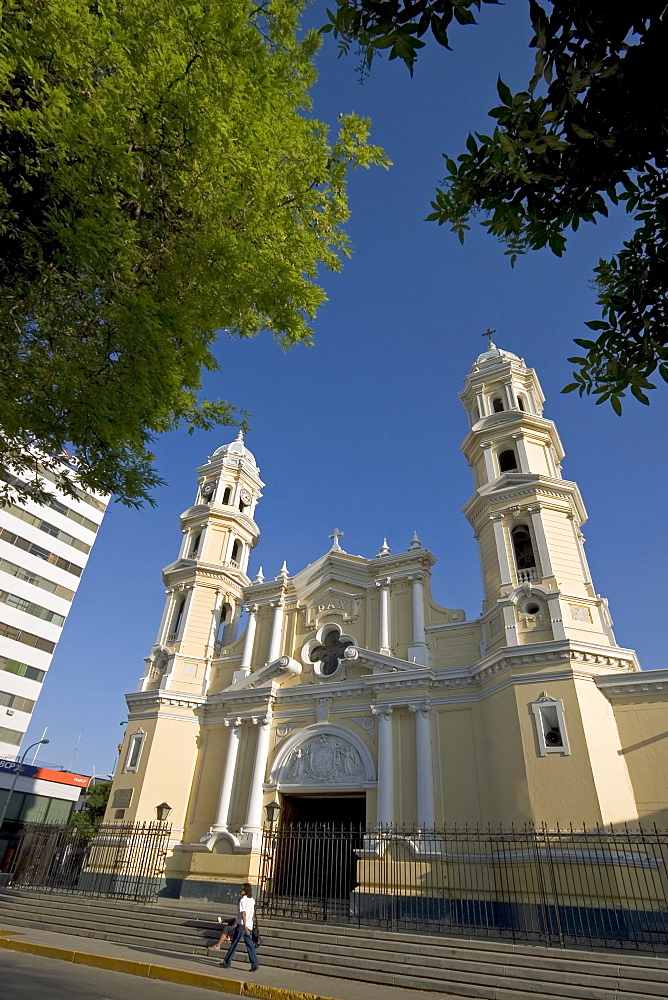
{"points": [[244, 928]]}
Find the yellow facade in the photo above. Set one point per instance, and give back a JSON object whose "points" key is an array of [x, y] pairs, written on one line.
{"points": [[351, 694]]}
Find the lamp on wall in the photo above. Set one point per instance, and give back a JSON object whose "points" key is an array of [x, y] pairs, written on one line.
{"points": [[162, 811], [272, 810]]}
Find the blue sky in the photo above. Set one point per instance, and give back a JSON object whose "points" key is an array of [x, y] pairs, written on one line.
{"points": [[362, 431]]}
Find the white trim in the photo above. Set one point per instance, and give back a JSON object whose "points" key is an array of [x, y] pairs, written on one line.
{"points": [[137, 739], [546, 712]]}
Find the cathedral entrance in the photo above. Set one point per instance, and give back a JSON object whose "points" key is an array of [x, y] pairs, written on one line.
{"points": [[314, 847]]}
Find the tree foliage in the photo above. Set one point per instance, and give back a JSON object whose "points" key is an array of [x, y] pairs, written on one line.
{"points": [[91, 814], [588, 132], [160, 180]]}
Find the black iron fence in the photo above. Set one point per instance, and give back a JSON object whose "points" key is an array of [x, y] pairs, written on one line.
{"points": [[120, 859], [603, 888]]}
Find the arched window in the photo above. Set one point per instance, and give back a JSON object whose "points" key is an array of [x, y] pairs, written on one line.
{"points": [[224, 634], [227, 494], [178, 617], [497, 405], [196, 544], [508, 461], [524, 557], [520, 404], [236, 551]]}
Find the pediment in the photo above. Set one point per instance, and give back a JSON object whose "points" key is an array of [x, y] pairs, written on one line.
{"points": [[333, 601]]}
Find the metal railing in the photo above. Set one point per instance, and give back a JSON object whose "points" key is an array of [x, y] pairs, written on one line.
{"points": [[601, 888], [119, 859]]}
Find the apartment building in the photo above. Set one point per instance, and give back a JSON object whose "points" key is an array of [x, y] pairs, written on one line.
{"points": [[43, 553]]}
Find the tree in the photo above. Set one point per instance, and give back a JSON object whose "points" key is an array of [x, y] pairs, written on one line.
{"points": [[589, 131], [160, 180], [91, 814]]}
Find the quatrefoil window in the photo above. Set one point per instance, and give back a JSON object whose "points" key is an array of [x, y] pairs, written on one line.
{"points": [[329, 653]]}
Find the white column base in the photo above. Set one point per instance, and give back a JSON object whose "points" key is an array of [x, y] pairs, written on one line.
{"points": [[419, 653]]}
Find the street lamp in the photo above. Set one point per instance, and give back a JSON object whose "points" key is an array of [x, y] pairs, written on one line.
{"points": [[17, 772], [272, 810], [162, 811]]}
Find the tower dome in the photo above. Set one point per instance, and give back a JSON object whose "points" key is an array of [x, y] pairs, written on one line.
{"points": [[236, 448], [493, 353]]}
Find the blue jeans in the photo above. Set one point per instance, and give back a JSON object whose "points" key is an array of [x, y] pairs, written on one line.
{"points": [[236, 941]]}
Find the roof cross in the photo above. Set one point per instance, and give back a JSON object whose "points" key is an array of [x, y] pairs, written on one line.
{"points": [[336, 534], [488, 333]]}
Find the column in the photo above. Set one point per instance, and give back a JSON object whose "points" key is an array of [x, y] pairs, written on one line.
{"points": [[541, 540], [418, 652], [253, 822], [489, 462], [501, 550], [223, 811], [166, 615], [579, 540], [522, 452], [276, 632], [384, 645], [385, 816], [249, 638], [426, 819]]}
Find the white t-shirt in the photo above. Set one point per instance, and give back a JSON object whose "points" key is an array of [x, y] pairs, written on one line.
{"points": [[247, 906]]}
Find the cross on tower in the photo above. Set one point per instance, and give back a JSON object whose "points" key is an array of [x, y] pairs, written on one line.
{"points": [[488, 333], [336, 534]]}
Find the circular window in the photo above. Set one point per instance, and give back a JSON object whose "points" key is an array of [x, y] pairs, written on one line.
{"points": [[328, 654], [531, 608]]}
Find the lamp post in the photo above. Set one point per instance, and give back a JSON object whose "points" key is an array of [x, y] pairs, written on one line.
{"points": [[17, 772]]}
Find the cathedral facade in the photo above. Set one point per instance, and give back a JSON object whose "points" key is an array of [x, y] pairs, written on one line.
{"points": [[350, 695]]}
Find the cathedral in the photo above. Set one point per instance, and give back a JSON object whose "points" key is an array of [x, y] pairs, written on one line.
{"points": [[346, 694]]}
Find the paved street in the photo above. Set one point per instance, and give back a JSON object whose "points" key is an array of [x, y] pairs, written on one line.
{"points": [[30, 977]]}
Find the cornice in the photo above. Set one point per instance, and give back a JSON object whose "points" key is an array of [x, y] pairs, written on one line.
{"points": [[191, 570], [640, 682], [559, 651], [138, 700], [540, 488]]}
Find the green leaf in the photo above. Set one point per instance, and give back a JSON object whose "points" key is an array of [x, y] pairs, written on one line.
{"points": [[504, 91], [570, 387], [616, 405]]}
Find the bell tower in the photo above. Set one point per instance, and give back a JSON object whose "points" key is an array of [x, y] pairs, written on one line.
{"points": [[527, 519], [205, 584]]}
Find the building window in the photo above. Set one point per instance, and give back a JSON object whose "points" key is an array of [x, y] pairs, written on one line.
{"points": [[497, 405], [224, 635], [520, 404], [550, 727], [508, 461], [236, 551], [523, 547], [227, 495], [178, 620], [196, 544], [134, 751]]}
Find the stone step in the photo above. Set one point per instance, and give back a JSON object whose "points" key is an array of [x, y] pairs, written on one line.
{"points": [[489, 968]]}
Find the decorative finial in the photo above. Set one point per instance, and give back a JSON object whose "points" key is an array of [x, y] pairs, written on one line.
{"points": [[283, 572], [384, 549], [488, 333], [240, 436], [260, 576], [336, 534], [415, 542]]}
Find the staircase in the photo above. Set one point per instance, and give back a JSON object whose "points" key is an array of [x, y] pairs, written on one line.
{"points": [[489, 969]]}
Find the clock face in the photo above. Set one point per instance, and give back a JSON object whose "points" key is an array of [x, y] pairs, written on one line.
{"points": [[208, 490], [245, 497]]}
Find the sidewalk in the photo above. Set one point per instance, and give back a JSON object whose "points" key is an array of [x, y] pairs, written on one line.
{"points": [[206, 973]]}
